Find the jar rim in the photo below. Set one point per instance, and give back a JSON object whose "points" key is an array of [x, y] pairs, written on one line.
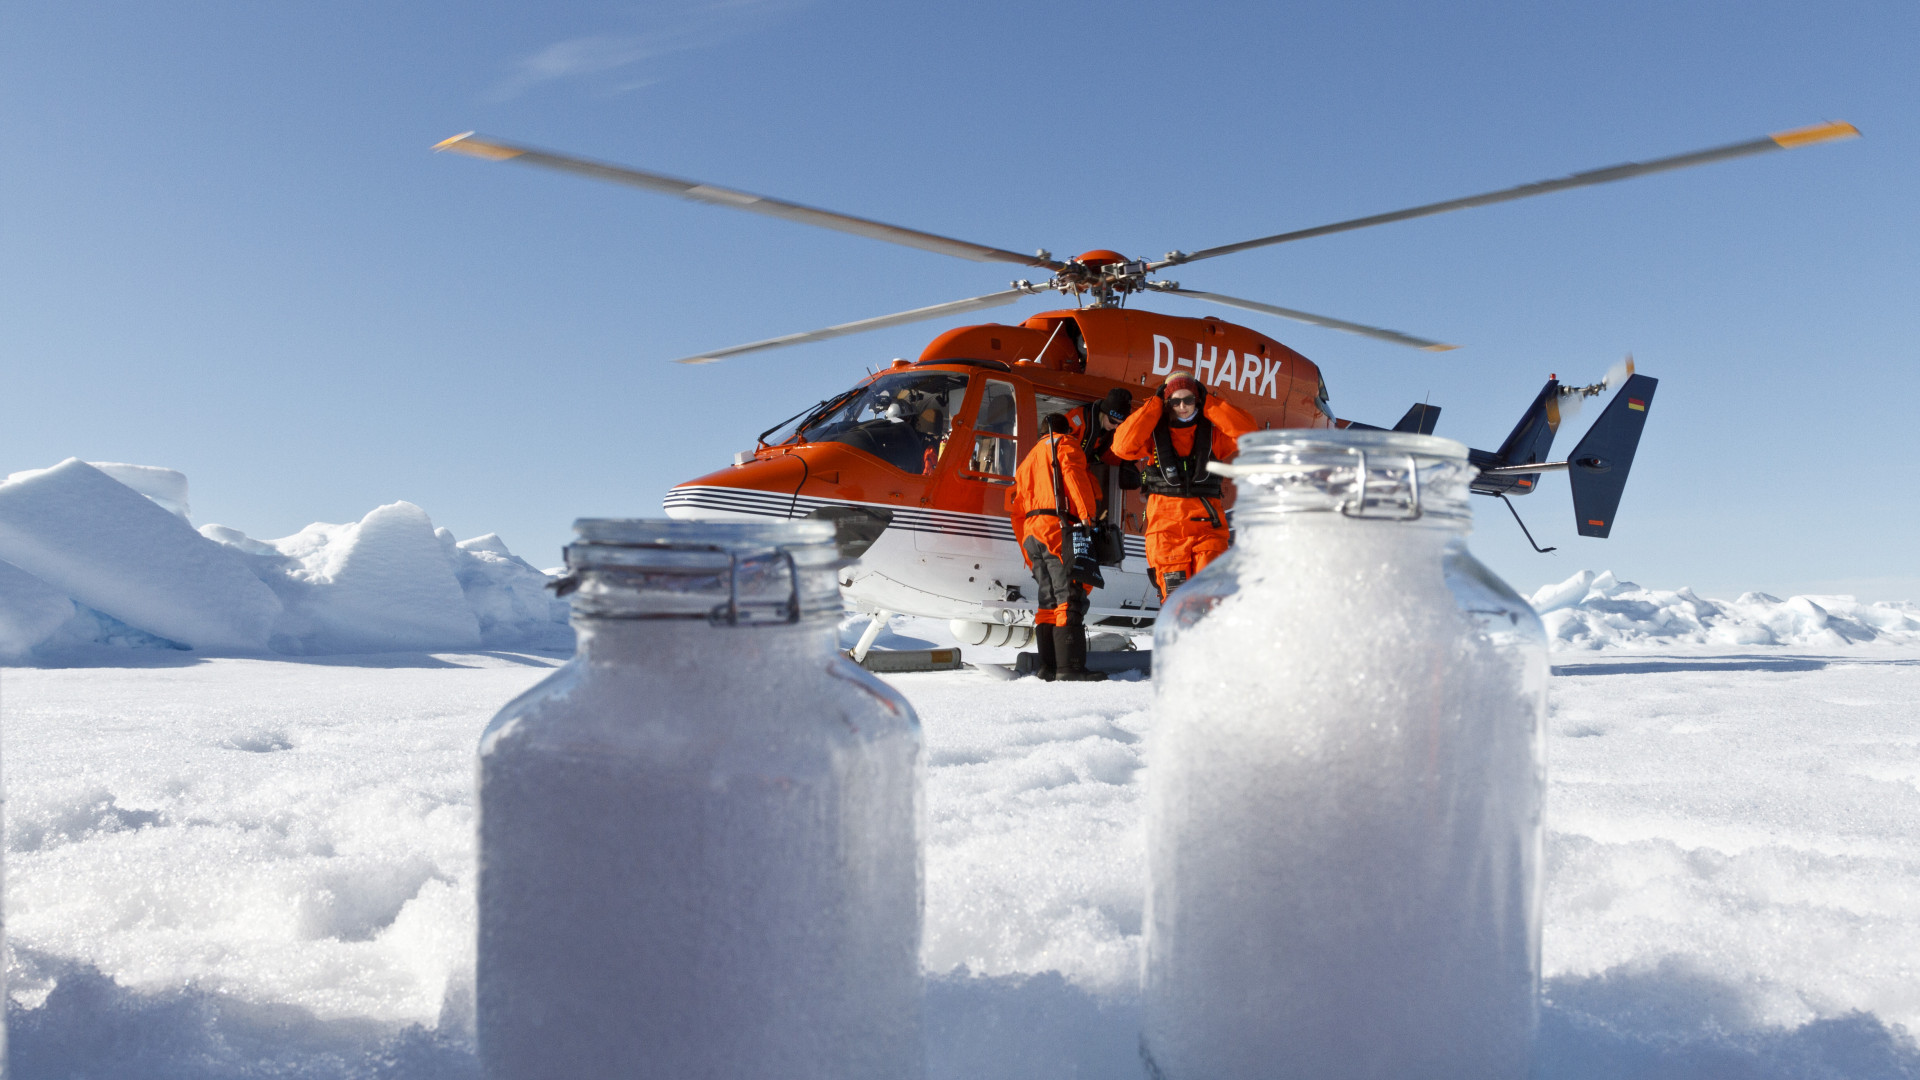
{"points": [[671, 533], [733, 573], [1257, 445], [1364, 474]]}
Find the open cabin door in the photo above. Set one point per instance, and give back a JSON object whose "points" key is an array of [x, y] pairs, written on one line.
{"points": [[968, 493]]}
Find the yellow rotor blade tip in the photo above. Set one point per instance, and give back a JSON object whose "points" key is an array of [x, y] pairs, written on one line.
{"points": [[466, 143], [1837, 129], [1438, 348]]}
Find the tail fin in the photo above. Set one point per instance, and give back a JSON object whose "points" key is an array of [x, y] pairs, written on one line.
{"points": [[1528, 444], [1532, 437], [1597, 468], [1420, 420]]}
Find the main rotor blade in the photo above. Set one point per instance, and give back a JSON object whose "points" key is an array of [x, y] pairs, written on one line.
{"points": [[493, 150], [1785, 140], [955, 307], [1394, 336]]}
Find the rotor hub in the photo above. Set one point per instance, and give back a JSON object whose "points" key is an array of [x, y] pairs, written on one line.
{"points": [[1102, 275]]}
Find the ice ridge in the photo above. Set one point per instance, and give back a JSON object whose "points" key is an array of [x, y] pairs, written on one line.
{"points": [[104, 555], [1599, 611]]}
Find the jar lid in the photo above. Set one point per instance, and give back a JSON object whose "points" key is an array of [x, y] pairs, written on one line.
{"points": [[725, 572], [1359, 473]]}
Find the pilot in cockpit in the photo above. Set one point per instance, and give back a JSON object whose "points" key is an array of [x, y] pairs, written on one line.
{"points": [[929, 420]]}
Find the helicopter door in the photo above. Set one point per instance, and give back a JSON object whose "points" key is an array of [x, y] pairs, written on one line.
{"points": [[996, 447], [974, 484]]}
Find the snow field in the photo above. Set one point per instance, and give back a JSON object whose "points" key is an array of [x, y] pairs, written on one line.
{"points": [[1742, 818], [288, 833], [250, 868], [1034, 848]]}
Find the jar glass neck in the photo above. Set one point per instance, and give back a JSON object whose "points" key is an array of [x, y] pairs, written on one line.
{"points": [[666, 641], [1379, 476], [724, 588], [722, 575]]}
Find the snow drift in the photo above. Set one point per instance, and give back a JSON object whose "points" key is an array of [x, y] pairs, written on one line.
{"points": [[106, 555], [1599, 611], [107, 546]]}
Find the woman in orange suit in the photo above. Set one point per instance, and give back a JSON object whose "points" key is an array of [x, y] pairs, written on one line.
{"points": [[1174, 434]]}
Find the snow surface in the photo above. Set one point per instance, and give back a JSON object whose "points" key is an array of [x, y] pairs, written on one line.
{"points": [[230, 866], [104, 554], [259, 867]]}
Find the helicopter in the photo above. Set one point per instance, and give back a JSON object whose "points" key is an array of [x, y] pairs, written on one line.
{"points": [[914, 463]]}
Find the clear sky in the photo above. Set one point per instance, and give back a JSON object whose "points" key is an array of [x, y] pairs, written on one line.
{"points": [[226, 248]]}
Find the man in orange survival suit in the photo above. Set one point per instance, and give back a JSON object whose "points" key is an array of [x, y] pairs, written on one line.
{"points": [[1041, 510], [1176, 433]]}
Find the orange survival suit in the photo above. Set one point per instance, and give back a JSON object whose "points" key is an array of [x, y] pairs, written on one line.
{"points": [[1038, 507], [1186, 521]]}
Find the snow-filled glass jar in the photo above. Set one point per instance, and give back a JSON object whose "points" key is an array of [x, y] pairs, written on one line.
{"points": [[699, 838], [1345, 781]]}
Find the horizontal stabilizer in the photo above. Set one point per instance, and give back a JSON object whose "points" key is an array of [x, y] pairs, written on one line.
{"points": [[1597, 469], [1420, 420]]}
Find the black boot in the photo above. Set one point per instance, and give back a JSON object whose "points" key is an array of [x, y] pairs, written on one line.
{"points": [[1170, 582], [1049, 655], [1070, 642]]}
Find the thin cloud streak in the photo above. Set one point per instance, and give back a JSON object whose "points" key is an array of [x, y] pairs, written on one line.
{"points": [[699, 27]]}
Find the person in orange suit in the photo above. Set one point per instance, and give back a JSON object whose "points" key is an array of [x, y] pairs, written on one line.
{"points": [[1053, 490], [1174, 434]]}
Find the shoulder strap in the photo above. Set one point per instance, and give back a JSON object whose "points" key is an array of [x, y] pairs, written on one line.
{"points": [[1163, 440], [1059, 484]]}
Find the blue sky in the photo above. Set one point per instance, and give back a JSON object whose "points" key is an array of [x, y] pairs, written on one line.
{"points": [[226, 247]]}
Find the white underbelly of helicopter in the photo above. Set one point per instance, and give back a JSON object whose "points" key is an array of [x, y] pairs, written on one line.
{"points": [[931, 563]]}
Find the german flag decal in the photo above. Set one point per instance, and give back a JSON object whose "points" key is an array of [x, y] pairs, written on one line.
{"points": [[1636, 404]]}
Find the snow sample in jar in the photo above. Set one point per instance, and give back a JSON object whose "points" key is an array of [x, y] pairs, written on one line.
{"points": [[699, 838], [1344, 782]]}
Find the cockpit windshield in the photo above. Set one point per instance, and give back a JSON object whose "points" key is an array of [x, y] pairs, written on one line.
{"points": [[902, 418]]}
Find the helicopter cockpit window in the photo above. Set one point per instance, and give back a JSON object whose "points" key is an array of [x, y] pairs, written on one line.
{"points": [[995, 450], [903, 419]]}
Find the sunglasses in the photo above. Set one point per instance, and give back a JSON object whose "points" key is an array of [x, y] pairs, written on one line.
{"points": [[1183, 399]]}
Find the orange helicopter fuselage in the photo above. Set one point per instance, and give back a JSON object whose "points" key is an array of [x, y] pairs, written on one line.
{"points": [[962, 563]]}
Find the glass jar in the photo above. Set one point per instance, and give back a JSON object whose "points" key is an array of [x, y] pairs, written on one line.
{"points": [[1344, 781], [699, 838]]}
